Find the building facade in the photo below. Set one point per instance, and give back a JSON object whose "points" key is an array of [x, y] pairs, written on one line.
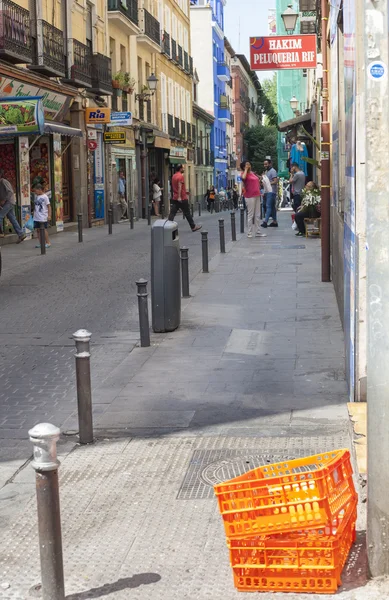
{"points": [[241, 106]]}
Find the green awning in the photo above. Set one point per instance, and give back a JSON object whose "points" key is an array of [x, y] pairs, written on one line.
{"points": [[177, 161]]}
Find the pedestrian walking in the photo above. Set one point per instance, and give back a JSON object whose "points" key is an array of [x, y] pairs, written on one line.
{"points": [[271, 197], [297, 180], [210, 198], [235, 196], [122, 195], [157, 196], [252, 194], [7, 207], [180, 198], [42, 212]]}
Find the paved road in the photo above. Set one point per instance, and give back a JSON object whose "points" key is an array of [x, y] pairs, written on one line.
{"points": [[44, 299]]}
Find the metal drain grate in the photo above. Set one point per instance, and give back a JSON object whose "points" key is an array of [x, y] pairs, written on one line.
{"points": [[209, 467]]}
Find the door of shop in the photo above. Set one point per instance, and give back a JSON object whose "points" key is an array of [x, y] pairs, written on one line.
{"points": [[66, 183]]}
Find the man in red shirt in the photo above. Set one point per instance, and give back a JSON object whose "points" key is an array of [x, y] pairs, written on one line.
{"points": [[180, 198]]}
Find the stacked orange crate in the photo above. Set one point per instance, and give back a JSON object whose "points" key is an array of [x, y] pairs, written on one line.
{"points": [[290, 525]]}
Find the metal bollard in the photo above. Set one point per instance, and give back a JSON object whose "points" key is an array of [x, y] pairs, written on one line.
{"points": [[44, 438], [233, 227], [84, 389], [79, 222], [185, 272], [199, 203], [143, 309], [242, 220], [204, 249], [42, 238], [131, 216], [110, 215], [191, 209], [148, 214], [221, 235]]}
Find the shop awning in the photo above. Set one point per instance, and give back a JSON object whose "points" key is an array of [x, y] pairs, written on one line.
{"points": [[286, 125], [52, 127], [177, 161]]}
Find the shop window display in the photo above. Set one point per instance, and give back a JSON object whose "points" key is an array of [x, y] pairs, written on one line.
{"points": [[8, 163]]}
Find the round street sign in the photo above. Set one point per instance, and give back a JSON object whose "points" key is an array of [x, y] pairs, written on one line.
{"points": [[92, 145]]}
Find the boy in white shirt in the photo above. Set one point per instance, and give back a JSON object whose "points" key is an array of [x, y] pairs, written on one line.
{"points": [[42, 212]]}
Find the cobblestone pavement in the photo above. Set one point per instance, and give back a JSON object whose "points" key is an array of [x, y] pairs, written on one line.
{"points": [[44, 299], [254, 374]]}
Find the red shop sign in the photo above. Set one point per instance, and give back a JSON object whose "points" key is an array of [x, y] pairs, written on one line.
{"points": [[92, 145], [283, 52]]}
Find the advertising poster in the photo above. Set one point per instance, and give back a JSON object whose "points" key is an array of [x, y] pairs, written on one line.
{"points": [[40, 164], [57, 184], [98, 157], [25, 192], [55, 106], [20, 116], [349, 208]]}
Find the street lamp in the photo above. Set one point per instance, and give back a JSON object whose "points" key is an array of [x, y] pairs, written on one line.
{"points": [[208, 128], [152, 82], [294, 103], [289, 18]]}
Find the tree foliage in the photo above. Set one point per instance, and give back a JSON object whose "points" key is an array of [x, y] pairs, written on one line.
{"points": [[261, 142], [267, 99], [269, 86]]}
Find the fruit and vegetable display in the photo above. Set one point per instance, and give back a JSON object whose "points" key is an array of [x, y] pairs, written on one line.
{"points": [[8, 163], [19, 116]]}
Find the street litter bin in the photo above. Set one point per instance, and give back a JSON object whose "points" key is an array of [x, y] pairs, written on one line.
{"points": [[165, 276]]}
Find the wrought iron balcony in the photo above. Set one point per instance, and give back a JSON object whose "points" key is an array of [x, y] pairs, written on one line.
{"points": [[15, 34], [183, 130], [180, 56], [101, 75], [170, 125], [48, 50], [199, 158], [223, 71], [176, 127], [186, 62], [79, 64], [127, 8], [150, 30], [166, 44], [191, 66], [189, 132], [174, 51]]}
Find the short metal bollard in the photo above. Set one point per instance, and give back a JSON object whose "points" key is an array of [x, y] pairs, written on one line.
{"points": [[42, 238], [84, 389], [131, 216], [110, 219], [204, 249], [149, 214], [79, 222], [199, 203], [242, 220], [44, 438], [233, 227], [143, 309], [185, 272], [221, 236]]}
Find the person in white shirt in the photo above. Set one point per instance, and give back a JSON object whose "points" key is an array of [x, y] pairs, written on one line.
{"points": [[157, 195], [42, 212]]}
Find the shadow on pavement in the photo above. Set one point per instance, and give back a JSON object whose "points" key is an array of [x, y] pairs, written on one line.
{"points": [[120, 585]]}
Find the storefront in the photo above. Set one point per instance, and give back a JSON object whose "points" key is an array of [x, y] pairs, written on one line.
{"points": [[34, 147], [125, 163]]}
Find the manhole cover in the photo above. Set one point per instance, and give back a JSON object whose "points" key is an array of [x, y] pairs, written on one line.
{"points": [[209, 467]]}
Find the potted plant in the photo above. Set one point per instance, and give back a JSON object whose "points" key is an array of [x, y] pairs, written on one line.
{"points": [[118, 80], [310, 200], [129, 83]]}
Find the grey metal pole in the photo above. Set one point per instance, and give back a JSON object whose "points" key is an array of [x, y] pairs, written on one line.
{"points": [[242, 220], [221, 236], [376, 103], [44, 438], [191, 209], [204, 249], [143, 308], [185, 272], [84, 389], [148, 214], [79, 222], [233, 227], [199, 203], [131, 215], [110, 220], [42, 238]]}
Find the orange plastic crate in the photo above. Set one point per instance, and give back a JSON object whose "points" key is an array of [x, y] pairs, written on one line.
{"points": [[310, 561], [302, 493]]}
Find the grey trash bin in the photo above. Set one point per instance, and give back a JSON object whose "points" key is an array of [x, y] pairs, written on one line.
{"points": [[165, 276]]}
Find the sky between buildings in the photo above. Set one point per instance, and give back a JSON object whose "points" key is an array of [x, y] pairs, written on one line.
{"points": [[245, 18]]}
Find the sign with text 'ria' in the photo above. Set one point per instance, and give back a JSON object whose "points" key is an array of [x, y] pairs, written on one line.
{"points": [[97, 115], [283, 52]]}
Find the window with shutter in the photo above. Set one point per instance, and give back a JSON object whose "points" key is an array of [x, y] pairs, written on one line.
{"points": [[307, 5]]}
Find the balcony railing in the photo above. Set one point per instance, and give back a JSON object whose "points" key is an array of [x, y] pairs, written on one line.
{"points": [[80, 68], [183, 130], [176, 127], [211, 159], [48, 50], [189, 132], [223, 71], [101, 75], [129, 9], [207, 158], [170, 125], [152, 29], [174, 51], [166, 43], [199, 160], [190, 66], [186, 62], [193, 133], [15, 36], [180, 56]]}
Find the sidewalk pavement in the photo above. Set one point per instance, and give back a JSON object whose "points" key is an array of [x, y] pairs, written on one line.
{"points": [[254, 374]]}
